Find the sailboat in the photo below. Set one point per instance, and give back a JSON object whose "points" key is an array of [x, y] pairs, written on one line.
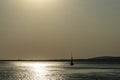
{"points": [[71, 61]]}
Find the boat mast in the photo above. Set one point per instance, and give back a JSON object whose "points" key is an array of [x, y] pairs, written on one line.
{"points": [[71, 59]]}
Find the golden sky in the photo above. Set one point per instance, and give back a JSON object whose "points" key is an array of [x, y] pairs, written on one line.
{"points": [[50, 29]]}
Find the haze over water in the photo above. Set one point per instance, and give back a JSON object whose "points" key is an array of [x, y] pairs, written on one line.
{"points": [[48, 70], [50, 29]]}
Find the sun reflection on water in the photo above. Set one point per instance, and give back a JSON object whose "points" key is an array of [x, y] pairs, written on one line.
{"points": [[39, 68], [26, 70], [35, 70]]}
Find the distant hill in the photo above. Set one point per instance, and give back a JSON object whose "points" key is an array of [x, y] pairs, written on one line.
{"points": [[104, 59], [101, 59]]}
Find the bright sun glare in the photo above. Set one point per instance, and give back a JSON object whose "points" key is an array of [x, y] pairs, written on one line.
{"points": [[39, 68], [39, 2]]}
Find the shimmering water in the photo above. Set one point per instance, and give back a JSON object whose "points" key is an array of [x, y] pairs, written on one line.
{"points": [[58, 71]]}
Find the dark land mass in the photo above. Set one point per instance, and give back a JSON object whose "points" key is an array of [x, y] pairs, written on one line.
{"points": [[103, 59]]}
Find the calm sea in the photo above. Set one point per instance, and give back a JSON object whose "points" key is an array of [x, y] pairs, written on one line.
{"points": [[19, 70]]}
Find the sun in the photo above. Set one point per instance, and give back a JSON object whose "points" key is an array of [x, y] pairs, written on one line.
{"points": [[39, 2]]}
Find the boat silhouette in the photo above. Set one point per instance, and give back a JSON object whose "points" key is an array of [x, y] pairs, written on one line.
{"points": [[71, 61]]}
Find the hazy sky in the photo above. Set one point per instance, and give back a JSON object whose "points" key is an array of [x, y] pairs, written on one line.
{"points": [[45, 29]]}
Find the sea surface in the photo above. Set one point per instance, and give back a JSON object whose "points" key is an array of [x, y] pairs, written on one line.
{"points": [[51, 70]]}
